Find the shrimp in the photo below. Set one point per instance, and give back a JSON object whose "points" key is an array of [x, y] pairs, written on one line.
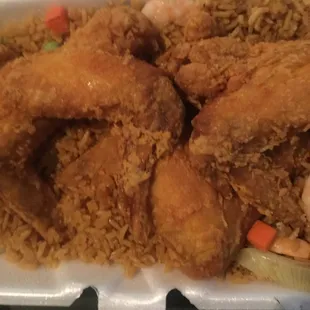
{"points": [[306, 198], [163, 12], [296, 248]]}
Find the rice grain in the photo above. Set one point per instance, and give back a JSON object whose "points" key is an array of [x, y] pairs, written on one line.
{"points": [[95, 233]]}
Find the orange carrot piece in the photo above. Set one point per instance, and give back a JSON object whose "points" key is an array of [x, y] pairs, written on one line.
{"points": [[261, 235], [57, 20]]}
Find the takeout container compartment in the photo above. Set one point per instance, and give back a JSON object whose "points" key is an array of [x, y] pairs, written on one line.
{"points": [[60, 287]]}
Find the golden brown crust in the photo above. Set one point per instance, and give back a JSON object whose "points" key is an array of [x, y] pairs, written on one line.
{"points": [[83, 80], [119, 30], [275, 183], [109, 87], [205, 229], [247, 130], [202, 69], [270, 106]]}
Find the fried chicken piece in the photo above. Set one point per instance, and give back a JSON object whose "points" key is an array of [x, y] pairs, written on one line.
{"points": [[270, 190], [205, 229], [115, 173], [239, 131], [119, 30], [269, 106], [202, 227], [109, 87], [88, 82], [274, 185], [203, 69]]}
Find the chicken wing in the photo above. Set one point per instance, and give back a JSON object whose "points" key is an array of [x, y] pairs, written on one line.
{"points": [[117, 30], [270, 105], [83, 80], [110, 87], [202, 227], [133, 93], [247, 132]]}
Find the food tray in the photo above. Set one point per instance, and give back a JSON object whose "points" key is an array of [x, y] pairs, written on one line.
{"points": [[148, 290]]}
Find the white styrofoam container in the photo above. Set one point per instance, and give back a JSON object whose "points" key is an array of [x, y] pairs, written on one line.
{"points": [[62, 286]]}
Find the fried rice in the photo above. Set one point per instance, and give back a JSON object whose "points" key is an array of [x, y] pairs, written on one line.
{"points": [[94, 235], [103, 236], [254, 20]]}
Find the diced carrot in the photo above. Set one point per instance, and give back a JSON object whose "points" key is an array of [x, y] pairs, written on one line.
{"points": [[57, 20], [261, 235]]}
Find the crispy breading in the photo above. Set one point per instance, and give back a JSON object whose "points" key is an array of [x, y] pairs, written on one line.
{"points": [[202, 227], [120, 30], [269, 106], [88, 84], [247, 131], [275, 183], [202, 69], [84, 80]]}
